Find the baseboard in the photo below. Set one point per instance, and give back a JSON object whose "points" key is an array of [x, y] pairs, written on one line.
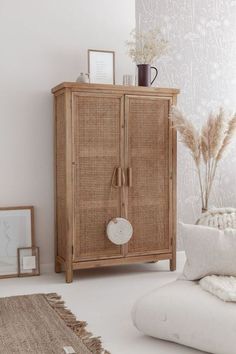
{"points": [[180, 253], [47, 268]]}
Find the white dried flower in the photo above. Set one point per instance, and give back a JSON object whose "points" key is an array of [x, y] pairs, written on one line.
{"points": [[146, 47]]}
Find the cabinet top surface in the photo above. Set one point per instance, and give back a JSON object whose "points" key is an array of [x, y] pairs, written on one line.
{"points": [[74, 86]]}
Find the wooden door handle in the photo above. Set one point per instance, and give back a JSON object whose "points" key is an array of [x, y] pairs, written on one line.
{"points": [[119, 177], [116, 180], [123, 178], [130, 176]]}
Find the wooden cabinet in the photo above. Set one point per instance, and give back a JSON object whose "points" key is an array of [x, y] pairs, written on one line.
{"points": [[105, 133]]}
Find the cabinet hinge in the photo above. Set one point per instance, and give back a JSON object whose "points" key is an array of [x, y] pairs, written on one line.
{"points": [[72, 250], [171, 241]]}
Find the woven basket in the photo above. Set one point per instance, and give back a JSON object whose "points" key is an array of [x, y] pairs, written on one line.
{"points": [[220, 218]]}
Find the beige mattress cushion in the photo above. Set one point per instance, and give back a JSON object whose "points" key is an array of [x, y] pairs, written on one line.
{"points": [[184, 313]]}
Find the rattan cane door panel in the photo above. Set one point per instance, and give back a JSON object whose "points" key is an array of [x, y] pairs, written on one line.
{"points": [[148, 156], [97, 152]]}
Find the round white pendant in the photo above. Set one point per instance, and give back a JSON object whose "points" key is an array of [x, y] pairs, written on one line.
{"points": [[119, 231]]}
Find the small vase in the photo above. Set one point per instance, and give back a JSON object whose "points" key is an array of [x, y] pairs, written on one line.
{"points": [[144, 74], [83, 78]]}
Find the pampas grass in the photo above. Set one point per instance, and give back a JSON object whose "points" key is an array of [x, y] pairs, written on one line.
{"points": [[207, 146]]}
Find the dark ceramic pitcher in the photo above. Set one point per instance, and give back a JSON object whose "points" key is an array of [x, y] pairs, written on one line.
{"points": [[144, 74]]}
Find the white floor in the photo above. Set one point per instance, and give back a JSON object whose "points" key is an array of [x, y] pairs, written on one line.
{"points": [[104, 298]]}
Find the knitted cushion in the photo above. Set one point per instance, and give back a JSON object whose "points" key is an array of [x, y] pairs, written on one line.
{"points": [[221, 218]]}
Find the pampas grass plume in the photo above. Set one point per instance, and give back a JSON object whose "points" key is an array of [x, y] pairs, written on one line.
{"points": [[208, 146]]}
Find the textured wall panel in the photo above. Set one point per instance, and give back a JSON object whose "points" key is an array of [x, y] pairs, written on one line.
{"points": [[202, 35]]}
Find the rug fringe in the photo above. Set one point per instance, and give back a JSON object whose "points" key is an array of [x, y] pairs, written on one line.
{"points": [[94, 344]]}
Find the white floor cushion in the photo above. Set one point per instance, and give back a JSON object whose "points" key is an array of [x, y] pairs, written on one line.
{"points": [[184, 313]]}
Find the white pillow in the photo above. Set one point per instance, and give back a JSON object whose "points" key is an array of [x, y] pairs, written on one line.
{"points": [[208, 251]]}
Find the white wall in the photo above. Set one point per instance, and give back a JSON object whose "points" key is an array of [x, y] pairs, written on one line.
{"points": [[43, 43], [202, 64]]}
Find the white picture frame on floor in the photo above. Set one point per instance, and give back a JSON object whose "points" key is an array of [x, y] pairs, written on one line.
{"points": [[16, 230]]}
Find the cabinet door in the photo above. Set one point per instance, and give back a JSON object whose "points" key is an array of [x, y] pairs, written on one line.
{"points": [[148, 154], [97, 121]]}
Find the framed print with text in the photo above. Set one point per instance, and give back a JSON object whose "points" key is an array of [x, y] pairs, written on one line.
{"points": [[101, 66]]}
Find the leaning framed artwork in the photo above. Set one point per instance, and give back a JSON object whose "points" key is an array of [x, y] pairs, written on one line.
{"points": [[28, 261], [16, 231], [101, 66]]}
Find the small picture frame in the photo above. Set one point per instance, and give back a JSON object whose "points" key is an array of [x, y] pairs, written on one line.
{"points": [[28, 261], [16, 230], [101, 66]]}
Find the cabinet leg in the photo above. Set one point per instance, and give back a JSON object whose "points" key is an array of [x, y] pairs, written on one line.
{"points": [[173, 263], [69, 274], [57, 267]]}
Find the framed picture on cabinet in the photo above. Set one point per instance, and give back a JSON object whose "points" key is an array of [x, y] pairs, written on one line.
{"points": [[101, 66], [16, 230]]}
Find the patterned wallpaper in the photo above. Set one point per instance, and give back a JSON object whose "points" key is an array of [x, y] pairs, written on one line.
{"points": [[202, 63]]}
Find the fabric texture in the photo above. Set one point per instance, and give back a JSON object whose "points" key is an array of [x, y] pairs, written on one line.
{"points": [[40, 324], [223, 287], [220, 218], [182, 312], [209, 251]]}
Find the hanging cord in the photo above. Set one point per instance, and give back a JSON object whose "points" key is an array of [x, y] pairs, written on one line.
{"points": [[124, 194], [118, 229], [112, 185], [122, 232]]}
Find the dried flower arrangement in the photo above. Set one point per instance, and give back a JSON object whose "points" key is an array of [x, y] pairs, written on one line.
{"points": [[207, 147], [146, 47]]}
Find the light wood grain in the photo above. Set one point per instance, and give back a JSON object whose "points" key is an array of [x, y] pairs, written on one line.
{"points": [[74, 86], [87, 111], [121, 261], [69, 188], [174, 191]]}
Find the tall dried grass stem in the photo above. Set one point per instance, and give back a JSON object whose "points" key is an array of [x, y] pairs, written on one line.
{"points": [[208, 147], [228, 137]]}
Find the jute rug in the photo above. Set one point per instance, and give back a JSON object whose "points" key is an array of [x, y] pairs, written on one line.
{"points": [[40, 324]]}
